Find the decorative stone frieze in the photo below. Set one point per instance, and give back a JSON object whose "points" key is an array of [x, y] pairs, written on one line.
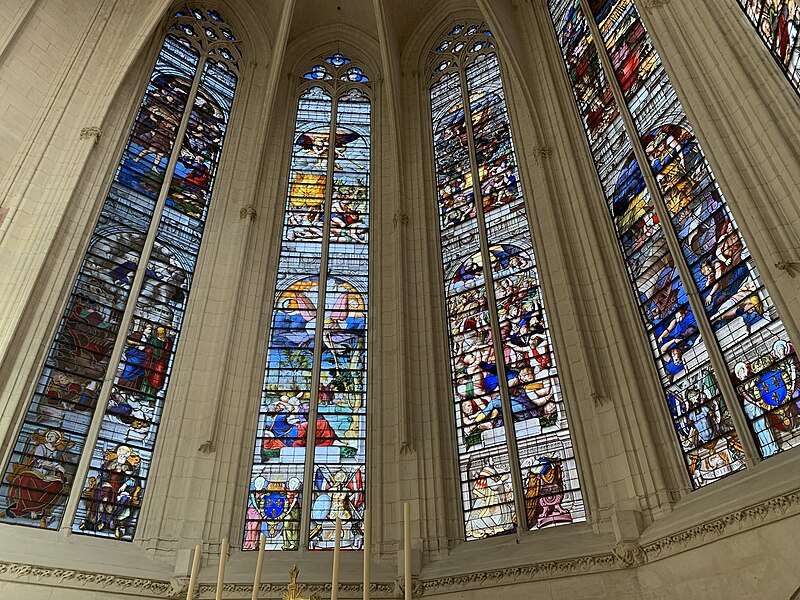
{"points": [[630, 554], [624, 555]]}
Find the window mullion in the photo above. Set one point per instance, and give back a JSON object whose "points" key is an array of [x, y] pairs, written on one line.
{"points": [[494, 323], [311, 430], [135, 290], [660, 208]]}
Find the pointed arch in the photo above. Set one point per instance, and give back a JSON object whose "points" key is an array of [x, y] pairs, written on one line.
{"points": [[90, 429], [776, 23], [725, 361], [515, 452], [303, 477]]}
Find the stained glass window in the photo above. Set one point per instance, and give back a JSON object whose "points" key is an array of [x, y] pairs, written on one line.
{"points": [[155, 210], [316, 367], [690, 269], [777, 23], [514, 446]]}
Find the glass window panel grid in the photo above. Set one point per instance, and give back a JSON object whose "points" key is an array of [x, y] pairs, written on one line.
{"points": [[686, 179], [103, 282], [647, 259], [63, 404], [698, 212], [773, 22], [340, 410], [483, 447], [120, 463]]}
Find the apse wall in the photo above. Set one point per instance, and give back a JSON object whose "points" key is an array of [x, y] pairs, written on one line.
{"points": [[646, 533]]}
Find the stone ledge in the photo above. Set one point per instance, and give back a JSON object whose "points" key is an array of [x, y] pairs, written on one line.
{"points": [[623, 556]]}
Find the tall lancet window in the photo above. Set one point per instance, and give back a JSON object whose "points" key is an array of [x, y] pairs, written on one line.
{"points": [[316, 360], [728, 369], [777, 23], [84, 450], [514, 447]]}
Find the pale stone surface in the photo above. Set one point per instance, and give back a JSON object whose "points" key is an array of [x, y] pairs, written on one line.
{"points": [[70, 65]]}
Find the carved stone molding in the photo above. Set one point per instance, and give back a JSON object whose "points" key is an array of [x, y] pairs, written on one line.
{"points": [[540, 152], [651, 4], [625, 555], [233, 590], [735, 522], [207, 447], [544, 570], [400, 587], [91, 133], [248, 210], [400, 218], [630, 554], [600, 399], [789, 266], [72, 578]]}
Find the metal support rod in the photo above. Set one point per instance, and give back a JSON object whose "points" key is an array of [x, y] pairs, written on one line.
{"points": [[322, 284], [728, 391]]}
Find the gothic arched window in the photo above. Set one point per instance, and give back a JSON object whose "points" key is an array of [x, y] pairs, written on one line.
{"points": [[515, 453], [725, 361], [73, 460], [777, 23], [316, 367]]}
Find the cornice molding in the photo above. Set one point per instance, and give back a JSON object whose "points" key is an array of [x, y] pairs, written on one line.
{"points": [[738, 521], [625, 555]]}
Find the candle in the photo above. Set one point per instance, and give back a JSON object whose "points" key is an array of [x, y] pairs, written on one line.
{"points": [[336, 544], [223, 558], [195, 570], [407, 548], [259, 566], [366, 553]]}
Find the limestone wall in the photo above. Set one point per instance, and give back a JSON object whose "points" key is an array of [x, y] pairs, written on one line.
{"points": [[68, 68]]}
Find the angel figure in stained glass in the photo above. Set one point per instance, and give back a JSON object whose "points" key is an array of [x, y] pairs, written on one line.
{"points": [[774, 390], [308, 187], [252, 528], [703, 424], [345, 323], [39, 481], [342, 498], [489, 511], [295, 317]]}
